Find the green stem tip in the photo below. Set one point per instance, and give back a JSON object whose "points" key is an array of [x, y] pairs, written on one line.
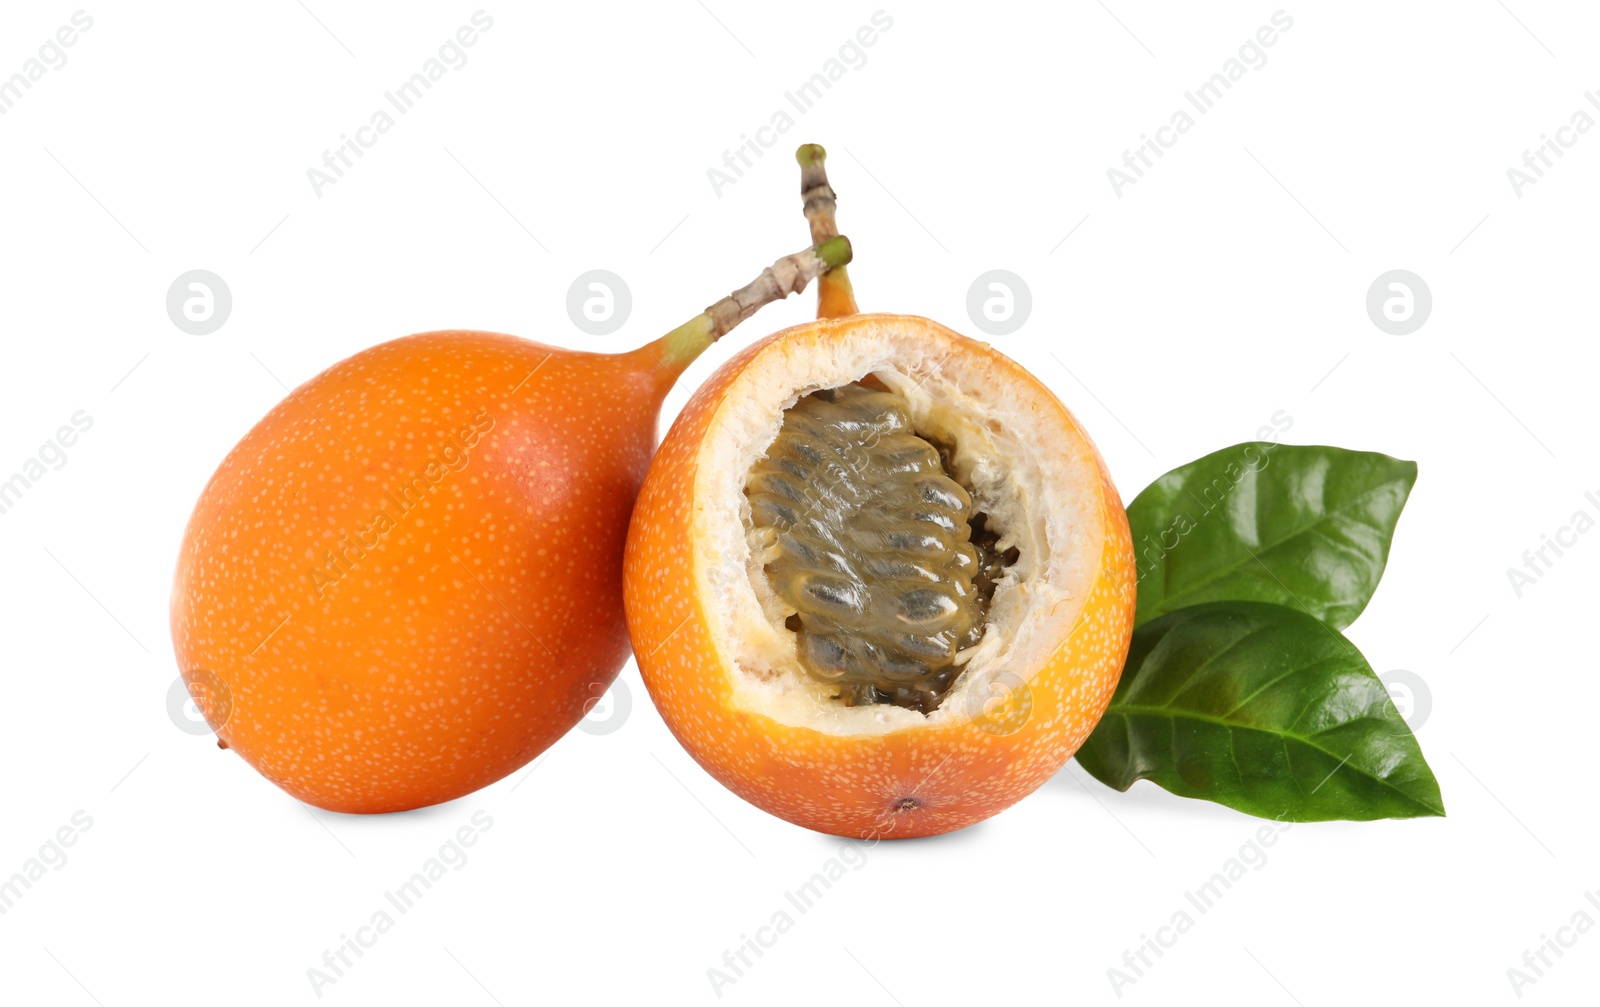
{"points": [[835, 251], [809, 154]]}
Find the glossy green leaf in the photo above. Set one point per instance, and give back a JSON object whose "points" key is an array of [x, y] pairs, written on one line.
{"points": [[1264, 709], [1307, 527]]}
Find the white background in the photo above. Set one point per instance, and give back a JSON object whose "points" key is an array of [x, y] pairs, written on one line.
{"points": [[1228, 284]]}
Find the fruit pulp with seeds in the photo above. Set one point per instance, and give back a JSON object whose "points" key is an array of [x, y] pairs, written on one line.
{"points": [[867, 537]]}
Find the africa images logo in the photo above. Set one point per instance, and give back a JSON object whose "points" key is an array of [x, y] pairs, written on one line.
{"points": [[397, 503], [51, 457], [1252, 56]]}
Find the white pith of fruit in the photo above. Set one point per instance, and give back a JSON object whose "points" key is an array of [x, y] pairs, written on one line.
{"points": [[1018, 451]]}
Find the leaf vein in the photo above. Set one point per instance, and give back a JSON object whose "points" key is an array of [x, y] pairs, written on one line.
{"points": [[1284, 737], [1166, 603]]}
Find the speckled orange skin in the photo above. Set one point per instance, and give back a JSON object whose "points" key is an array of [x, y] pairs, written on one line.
{"points": [[918, 782], [383, 648]]}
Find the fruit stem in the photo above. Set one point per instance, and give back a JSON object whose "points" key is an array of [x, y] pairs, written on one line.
{"points": [[835, 295], [678, 349]]}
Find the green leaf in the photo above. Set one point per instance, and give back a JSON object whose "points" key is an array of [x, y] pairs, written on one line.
{"points": [[1307, 527], [1263, 709]]}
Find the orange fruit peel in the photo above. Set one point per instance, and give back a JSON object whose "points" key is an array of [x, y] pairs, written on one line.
{"points": [[405, 582]]}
